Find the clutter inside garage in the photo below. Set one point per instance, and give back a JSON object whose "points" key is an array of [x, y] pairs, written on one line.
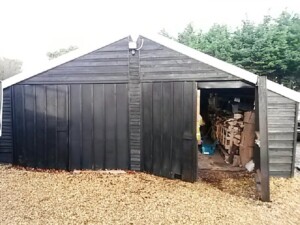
{"points": [[226, 129]]}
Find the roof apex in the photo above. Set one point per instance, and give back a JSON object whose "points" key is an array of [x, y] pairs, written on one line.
{"points": [[197, 55]]}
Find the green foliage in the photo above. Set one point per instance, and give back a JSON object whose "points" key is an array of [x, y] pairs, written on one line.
{"points": [[60, 52], [217, 42], [9, 67], [270, 48], [190, 37]]}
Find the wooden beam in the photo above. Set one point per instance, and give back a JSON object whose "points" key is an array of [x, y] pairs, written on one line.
{"points": [[263, 130], [295, 140]]}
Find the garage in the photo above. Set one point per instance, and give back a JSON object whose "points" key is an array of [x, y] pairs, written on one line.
{"points": [[133, 105]]}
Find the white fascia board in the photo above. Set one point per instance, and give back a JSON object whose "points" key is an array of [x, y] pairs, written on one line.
{"points": [[284, 91], [221, 65], [57, 62], [214, 62], [207, 59]]}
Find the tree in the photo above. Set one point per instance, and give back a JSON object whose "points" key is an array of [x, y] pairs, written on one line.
{"points": [[60, 52], [216, 42], [270, 48], [9, 67], [289, 24], [190, 37], [242, 42]]}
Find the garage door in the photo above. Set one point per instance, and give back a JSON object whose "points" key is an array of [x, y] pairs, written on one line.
{"points": [[169, 129], [77, 126]]}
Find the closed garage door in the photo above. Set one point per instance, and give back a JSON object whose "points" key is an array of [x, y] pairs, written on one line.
{"points": [[71, 126]]}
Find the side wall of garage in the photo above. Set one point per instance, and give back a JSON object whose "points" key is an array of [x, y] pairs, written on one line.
{"points": [[281, 125], [6, 140]]}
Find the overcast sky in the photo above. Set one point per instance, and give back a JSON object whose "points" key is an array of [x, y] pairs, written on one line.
{"points": [[29, 29]]}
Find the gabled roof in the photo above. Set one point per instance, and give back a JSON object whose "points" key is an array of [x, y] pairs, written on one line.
{"points": [[214, 62]]}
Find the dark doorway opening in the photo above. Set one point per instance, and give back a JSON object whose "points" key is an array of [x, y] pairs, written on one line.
{"points": [[225, 113], [221, 154]]}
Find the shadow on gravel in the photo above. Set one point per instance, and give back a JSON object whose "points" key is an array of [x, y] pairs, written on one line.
{"points": [[240, 184]]}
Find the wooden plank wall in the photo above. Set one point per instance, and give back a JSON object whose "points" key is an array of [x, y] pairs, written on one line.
{"points": [[41, 125], [168, 129], [6, 140], [71, 126], [106, 65], [158, 63], [99, 126], [281, 124], [41, 115]]}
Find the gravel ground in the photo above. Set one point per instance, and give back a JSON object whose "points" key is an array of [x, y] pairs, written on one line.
{"points": [[32, 197]]}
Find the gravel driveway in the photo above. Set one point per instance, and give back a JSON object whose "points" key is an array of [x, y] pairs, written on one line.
{"points": [[31, 197]]}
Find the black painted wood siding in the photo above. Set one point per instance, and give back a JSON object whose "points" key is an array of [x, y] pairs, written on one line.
{"points": [[158, 62], [281, 125], [106, 65], [99, 126], [6, 140], [41, 125], [89, 113], [169, 129], [71, 126]]}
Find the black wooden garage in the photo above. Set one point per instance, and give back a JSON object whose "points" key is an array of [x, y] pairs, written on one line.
{"points": [[112, 107]]}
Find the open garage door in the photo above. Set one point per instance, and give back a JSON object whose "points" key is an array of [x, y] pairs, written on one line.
{"points": [[169, 129]]}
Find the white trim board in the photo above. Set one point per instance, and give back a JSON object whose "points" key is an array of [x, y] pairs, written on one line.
{"points": [[221, 65], [214, 62], [57, 62]]}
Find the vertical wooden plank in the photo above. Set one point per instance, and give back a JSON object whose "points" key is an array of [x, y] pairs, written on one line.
{"points": [[62, 126], [188, 135], [157, 134], [29, 124], [263, 130], [14, 133], [178, 128], [99, 126], [122, 126], [111, 120], [40, 105], [147, 127], [19, 125], [75, 127], [295, 139], [51, 92], [87, 127], [194, 129], [167, 129], [135, 111]]}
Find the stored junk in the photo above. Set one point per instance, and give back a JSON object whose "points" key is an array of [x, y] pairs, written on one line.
{"points": [[236, 135]]}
